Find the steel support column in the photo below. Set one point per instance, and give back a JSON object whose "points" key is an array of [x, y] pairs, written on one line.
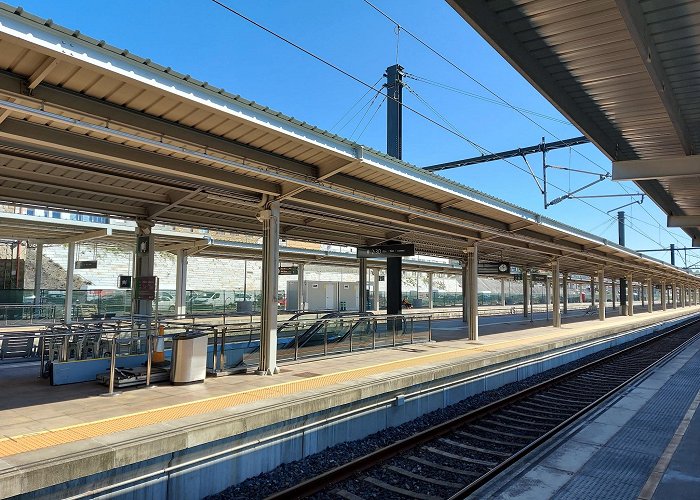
{"points": [[614, 291], [70, 270], [38, 271], [270, 218], [630, 296], [565, 291], [664, 296], [556, 312], [650, 296], [393, 285], [503, 292], [682, 295], [465, 290], [363, 285], [301, 289], [526, 292], [674, 296], [592, 290], [430, 290], [144, 260], [375, 295], [473, 264], [601, 295], [181, 283]]}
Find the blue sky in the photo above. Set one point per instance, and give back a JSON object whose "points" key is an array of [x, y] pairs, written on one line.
{"points": [[201, 38]]}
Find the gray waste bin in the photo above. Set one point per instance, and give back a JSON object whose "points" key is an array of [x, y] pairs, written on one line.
{"points": [[189, 359]]}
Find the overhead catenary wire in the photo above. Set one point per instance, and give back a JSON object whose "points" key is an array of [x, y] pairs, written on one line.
{"points": [[482, 97], [340, 120], [337, 68], [364, 115], [504, 101], [409, 108], [372, 117]]}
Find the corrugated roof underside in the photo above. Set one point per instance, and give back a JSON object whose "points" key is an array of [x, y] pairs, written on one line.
{"points": [[585, 47]]}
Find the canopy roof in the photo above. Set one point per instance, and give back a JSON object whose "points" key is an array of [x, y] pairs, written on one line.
{"points": [[626, 73]]}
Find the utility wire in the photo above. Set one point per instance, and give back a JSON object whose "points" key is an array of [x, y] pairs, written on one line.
{"points": [[482, 97], [353, 106], [372, 117], [440, 115], [364, 115], [501, 99], [337, 68], [465, 73], [434, 122]]}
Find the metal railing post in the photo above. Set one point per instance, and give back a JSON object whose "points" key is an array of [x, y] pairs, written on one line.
{"points": [[325, 338], [215, 351], [351, 339], [112, 368], [296, 342], [393, 330], [411, 329], [430, 328], [374, 335], [42, 346], [149, 358]]}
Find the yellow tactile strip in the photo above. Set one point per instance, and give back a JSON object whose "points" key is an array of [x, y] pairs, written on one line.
{"points": [[44, 439], [30, 442]]}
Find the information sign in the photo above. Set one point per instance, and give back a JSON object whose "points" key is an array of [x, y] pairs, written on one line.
{"points": [[493, 268], [145, 287], [124, 281], [539, 278], [401, 250], [289, 271]]}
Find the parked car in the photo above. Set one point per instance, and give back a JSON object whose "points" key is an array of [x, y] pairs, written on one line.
{"points": [[166, 302], [209, 301]]}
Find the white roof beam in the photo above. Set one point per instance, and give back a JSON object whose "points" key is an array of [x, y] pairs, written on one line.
{"points": [[658, 168], [41, 72], [175, 200], [79, 238]]}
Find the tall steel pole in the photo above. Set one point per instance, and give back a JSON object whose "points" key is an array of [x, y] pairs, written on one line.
{"points": [[394, 108], [623, 282]]}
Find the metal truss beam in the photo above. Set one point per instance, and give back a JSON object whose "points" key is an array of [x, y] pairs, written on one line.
{"points": [[537, 148]]}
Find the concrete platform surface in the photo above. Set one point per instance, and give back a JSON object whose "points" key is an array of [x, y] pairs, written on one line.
{"points": [[54, 434], [642, 444]]}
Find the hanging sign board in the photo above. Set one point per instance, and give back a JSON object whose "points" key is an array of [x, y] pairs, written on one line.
{"points": [[124, 281], [86, 264], [145, 287], [289, 271], [493, 268], [404, 250], [539, 278]]}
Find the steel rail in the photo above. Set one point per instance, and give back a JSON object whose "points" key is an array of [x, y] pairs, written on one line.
{"points": [[338, 474]]}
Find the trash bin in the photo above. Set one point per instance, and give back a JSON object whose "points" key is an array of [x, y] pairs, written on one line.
{"points": [[189, 358]]}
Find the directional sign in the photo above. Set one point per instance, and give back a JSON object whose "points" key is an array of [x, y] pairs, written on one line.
{"points": [[289, 271], [404, 250], [539, 278], [493, 268], [86, 264]]}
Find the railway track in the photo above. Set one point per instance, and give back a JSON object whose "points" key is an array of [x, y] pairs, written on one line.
{"points": [[454, 459]]}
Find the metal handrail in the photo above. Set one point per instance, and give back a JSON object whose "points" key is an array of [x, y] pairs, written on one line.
{"points": [[32, 308]]}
